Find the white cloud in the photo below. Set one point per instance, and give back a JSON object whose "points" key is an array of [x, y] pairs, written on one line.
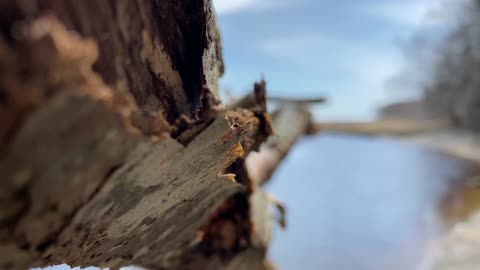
{"points": [[229, 6], [417, 13], [362, 69], [315, 51], [225, 7]]}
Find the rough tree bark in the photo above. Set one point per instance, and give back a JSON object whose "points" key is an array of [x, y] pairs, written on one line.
{"points": [[114, 149], [291, 120]]}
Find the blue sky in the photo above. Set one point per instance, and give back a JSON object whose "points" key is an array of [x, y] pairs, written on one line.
{"points": [[347, 50]]}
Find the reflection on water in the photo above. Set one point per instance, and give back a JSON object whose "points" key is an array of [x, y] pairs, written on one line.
{"points": [[359, 203]]}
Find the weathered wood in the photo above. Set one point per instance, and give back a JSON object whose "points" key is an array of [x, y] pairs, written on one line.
{"points": [[113, 150], [290, 122], [152, 200], [154, 204], [166, 54], [87, 209]]}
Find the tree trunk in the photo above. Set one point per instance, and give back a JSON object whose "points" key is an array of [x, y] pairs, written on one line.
{"points": [[114, 150]]}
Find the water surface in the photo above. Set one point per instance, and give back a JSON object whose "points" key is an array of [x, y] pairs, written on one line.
{"points": [[359, 203]]}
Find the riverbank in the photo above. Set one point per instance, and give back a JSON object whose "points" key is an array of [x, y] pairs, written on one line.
{"points": [[458, 143], [383, 127], [459, 248], [435, 135]]}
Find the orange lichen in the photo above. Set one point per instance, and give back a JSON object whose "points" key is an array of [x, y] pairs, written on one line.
{"points": [[228, 176], [237, 151]]}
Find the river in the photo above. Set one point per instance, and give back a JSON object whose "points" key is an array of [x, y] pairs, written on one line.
{"points": [[360, 203]]}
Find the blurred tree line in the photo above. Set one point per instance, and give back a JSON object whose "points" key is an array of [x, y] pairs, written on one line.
{"points": [[453, 91]]}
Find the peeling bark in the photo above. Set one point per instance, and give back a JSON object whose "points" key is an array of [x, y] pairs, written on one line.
{"points": [[113, 150], [166, 54], [291, 121]]}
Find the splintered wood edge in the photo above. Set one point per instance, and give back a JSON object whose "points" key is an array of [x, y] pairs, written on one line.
{"points": [[151, 198], [179, 190]]}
